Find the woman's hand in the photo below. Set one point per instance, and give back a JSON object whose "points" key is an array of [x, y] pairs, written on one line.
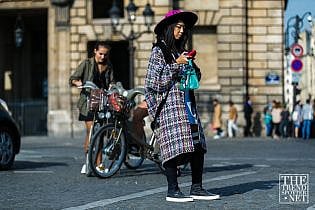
{"points": [[182, 59], [77, 83]]}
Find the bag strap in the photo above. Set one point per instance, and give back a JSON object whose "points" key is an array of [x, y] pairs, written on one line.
{"points": [[160, 107]]}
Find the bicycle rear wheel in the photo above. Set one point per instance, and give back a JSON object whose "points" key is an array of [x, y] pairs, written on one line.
{"points": [[107, 151]]}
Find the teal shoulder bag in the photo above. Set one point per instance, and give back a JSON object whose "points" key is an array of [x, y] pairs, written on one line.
{"points": [[189, 79]]}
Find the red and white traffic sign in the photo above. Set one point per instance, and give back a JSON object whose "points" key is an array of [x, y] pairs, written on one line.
{"points": [[297, 50], [296, 65]]}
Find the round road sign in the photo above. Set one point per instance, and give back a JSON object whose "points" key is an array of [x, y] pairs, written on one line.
{"points": [[296, 65], [297, 50]]}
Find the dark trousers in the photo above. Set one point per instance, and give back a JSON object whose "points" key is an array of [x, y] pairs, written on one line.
{"points": [[276, 127], [196, 160], [219, 131], [284, 128], [247, 130]]}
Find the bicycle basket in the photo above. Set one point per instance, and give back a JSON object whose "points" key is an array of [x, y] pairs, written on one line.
{"points": [[116, 102], [95, 101]]}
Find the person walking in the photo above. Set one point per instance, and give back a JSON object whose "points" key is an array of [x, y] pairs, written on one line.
{"points": [[307, 116], [276, 119], [297, 118], [217, 119], [268, 120], [99, 70], [248, 111], [284, 123], [232, 127], [178, 127]]}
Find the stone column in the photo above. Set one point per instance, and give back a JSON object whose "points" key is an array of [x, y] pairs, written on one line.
{"points": [[59, 114]]}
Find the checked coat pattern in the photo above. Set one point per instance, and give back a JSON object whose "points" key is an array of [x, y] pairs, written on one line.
{"points": [[173, 133]]}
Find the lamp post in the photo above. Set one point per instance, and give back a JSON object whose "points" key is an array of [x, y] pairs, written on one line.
{"points": [[114, 14], [296, 25]]}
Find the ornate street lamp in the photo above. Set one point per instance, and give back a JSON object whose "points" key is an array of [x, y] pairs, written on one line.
{"points": [[297, 25], [131, 9]]}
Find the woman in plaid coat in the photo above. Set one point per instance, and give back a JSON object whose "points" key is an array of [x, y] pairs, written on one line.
{"points": [[178, 130]]}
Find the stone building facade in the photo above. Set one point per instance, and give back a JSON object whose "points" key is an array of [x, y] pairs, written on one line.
{"points": [[238, 43]]}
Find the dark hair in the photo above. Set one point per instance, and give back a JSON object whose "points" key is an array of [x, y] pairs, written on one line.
{"points": [[176, 46], [103, 44], [297, 102]]}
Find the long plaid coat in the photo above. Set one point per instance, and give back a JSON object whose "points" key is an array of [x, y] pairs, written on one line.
{"points": [[173, 133]]}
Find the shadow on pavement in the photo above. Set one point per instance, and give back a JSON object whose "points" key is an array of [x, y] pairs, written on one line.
{"points": [[245, 187], [149, 169], [32, 165], [145, 169], [227, 167]]}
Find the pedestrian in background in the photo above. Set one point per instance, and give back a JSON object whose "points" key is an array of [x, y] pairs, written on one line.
{"points": [[257, 127], [276, 119], [297, 118], [98, 70], [232, 126], [178, 130], [284, 124], [307, 115], [217, 119], [248, 111], [268, 120]]}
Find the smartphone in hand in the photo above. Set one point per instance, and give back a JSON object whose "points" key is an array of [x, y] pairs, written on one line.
{"points": [[191, 54]]}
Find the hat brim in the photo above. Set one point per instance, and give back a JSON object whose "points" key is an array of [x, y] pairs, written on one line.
{"points": [[189, 18]]}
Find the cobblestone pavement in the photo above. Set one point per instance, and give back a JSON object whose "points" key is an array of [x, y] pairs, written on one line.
{"points": [[244, 171]]}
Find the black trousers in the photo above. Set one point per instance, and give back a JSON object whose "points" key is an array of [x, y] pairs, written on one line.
{"points": [[196, 160], [248, 126]]}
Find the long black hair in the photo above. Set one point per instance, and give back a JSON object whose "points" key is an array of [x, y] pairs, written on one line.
{"points": [[169, 45]]}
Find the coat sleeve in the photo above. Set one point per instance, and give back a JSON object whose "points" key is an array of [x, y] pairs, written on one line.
{"points": [[78, 74], [160, 74]]}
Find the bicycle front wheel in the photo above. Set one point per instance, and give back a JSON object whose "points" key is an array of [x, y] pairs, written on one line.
{"points": [[107, 151]]}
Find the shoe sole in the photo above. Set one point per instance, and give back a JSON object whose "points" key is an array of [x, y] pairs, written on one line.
{"points": [[180, 200], [212, 197]]}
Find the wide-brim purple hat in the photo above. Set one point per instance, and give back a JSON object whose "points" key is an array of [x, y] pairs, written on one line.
{"points": [[189, 18]]}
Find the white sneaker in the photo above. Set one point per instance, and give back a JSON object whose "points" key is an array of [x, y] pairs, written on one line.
{"points": [[83, 170], [216, 137], [101, 168], [222, 134]]}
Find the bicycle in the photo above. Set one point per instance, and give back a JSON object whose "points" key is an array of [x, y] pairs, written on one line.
{"points": [[112, 145], [96, 100]]}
